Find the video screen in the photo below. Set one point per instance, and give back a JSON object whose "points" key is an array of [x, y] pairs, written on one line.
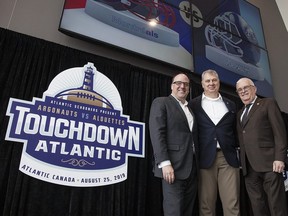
{"points": [[153, 28], [229, 38], [195, 35]]}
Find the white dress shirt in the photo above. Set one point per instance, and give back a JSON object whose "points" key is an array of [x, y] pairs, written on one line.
{"points": [[215, 108]]}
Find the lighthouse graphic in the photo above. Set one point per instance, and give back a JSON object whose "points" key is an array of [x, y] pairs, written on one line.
{"points": [[86, 94]]}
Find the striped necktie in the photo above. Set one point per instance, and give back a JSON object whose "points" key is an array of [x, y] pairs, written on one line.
{"points": [[245, 115]]}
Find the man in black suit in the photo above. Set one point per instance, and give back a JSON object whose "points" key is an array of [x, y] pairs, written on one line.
{"points": [[174, 140], [219, 164], [263, 147]]}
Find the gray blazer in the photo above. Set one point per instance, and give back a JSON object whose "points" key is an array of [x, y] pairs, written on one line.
{"points": [[263, 138], [171, 137]]}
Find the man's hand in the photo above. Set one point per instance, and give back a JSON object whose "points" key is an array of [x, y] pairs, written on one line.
{"points": [[278, 166], [168, 174]]}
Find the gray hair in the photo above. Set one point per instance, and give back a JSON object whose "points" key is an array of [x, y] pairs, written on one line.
{"points": [[210, 71], [250, 82]]}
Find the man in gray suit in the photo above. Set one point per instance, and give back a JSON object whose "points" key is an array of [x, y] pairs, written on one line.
{"points": [[174, 140], [263, 147]]}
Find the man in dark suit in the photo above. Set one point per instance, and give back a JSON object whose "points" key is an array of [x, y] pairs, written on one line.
{"points": [[174, 139], [219, 164], [263, 147]]}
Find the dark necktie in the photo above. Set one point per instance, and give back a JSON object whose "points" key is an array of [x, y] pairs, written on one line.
{"points": [[245, 115]]}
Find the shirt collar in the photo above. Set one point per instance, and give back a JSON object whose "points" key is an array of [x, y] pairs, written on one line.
{"points": [[254, 100], [219, 98], [185, 103]]}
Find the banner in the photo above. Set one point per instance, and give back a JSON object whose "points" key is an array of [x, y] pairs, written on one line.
{"points": [[76, 134]]}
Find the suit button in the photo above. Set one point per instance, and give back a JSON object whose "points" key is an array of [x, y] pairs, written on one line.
{"points": [[243, 131], [215, 138]]}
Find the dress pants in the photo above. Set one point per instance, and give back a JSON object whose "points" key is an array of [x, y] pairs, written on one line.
{"points": [[225, 178], [266, 192], [179, 197]]}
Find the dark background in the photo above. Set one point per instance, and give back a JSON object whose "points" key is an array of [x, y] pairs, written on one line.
{"points": [[27, 66]]}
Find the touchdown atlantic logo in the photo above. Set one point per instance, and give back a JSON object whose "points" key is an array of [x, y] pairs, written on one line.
{"points": [[76, 134]]}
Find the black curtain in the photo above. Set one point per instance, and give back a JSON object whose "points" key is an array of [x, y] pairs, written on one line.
{"points": [[27, 66]]}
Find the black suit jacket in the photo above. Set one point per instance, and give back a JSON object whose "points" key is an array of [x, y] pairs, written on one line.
{"points": [[209, 133], [171, 137]]}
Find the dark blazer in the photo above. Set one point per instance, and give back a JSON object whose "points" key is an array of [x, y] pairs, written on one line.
{"points": [[171, 137], [263, 138], [209, 133]]}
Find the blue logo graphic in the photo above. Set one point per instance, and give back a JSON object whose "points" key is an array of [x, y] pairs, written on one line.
{"points": [[76, 134]]}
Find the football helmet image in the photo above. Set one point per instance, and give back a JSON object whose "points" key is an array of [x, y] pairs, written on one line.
{"points": [[235, 36], [145, 9], [136, 17], [232, 37]]}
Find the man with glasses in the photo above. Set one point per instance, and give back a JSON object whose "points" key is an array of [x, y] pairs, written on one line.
{"points": [[219, 164], [173, 135], [263, 149]]}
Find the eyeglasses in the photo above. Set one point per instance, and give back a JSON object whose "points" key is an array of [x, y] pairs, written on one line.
{"points": [[179, 83], [244, 89]]}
